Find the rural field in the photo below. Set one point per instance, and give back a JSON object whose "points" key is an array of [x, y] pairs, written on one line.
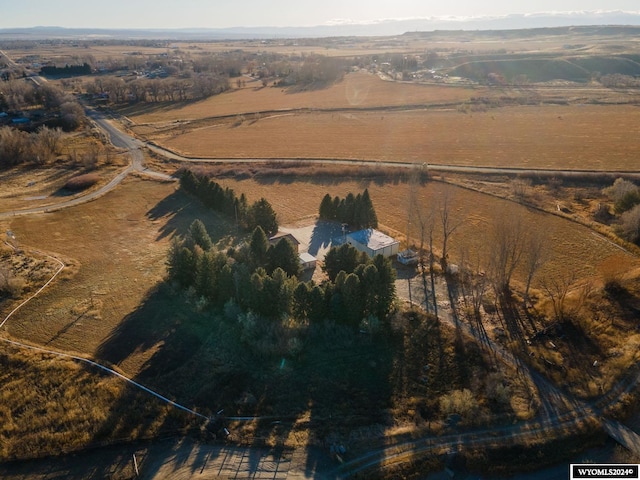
{"points": [[551, 344], [366, 118], [571, 138]]}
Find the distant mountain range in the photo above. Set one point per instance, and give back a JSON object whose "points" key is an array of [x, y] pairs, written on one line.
{"points": [[343, 28]]}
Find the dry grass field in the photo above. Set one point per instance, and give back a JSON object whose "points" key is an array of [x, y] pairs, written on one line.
{"points": [[55, 406], [111, 303], [357, 90], [118, 246], [31, 186], [373, 119], [585, 138]]}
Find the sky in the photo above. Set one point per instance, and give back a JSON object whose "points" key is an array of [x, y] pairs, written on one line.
{"points": [[272, 13]]}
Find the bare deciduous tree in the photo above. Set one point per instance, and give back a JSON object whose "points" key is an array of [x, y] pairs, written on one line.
{"points": [[558, 289], [425, 218], [449, 224], [534, 256], [506, 250]]}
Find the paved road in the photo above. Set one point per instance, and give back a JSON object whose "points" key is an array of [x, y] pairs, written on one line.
{"points": [[118, 139]]}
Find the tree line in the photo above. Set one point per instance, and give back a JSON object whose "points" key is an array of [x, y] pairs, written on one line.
{"points": [[60, 109], [355, 210], [18, 147], [84, 69], [262, 278], [152, 90], [224, 200]]}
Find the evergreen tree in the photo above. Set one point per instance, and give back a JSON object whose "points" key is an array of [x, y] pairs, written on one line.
{"points": [[225, 285], [317, 305], [262, 214], [369, 281], [353, 300], [198, 234], [206, 275], [301, 301], [386, 287], [345, 257], [258, 248], [284, 287], [349, 212], [285, 256], [186, 265], [367, 214], [327, 211]]}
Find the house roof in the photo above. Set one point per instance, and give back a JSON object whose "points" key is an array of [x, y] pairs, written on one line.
{"points": [[276, 238], [373, 239]]}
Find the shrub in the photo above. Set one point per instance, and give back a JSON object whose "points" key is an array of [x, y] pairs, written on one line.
{"points": [[81, 182], [629, 227]]}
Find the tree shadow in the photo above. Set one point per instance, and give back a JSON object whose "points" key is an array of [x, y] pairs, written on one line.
{"points": [[177, 211], [325, 235]]}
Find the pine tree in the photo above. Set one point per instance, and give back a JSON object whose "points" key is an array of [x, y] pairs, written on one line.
{"points": [[327, 211], [345, 257], [301, 301], [262, 214], [386, 286], [258, 248], [368, 217], [285, 256], [317, 304], [198, 234], [353, 300]]}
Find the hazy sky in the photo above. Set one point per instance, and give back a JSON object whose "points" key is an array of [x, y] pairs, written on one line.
{"points": [[234, 13]]}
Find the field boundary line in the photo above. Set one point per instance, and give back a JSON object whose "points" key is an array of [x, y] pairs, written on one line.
{"points": [[82, 359], [62, 266]]}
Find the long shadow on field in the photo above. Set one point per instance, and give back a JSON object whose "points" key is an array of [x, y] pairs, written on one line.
{"points": [[153, 322], [177, 211]]}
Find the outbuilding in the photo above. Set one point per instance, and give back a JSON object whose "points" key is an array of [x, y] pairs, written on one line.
{"points": [[373, 242], [307, 261]]}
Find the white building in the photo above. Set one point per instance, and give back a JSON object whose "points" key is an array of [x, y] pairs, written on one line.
{"points": [[373, 242]]}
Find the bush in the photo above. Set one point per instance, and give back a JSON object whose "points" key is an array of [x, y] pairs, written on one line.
{"points": [[81, 182], [629, 227]]}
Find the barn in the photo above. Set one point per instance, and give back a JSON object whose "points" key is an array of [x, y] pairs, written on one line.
{"points": [[373, 242]]}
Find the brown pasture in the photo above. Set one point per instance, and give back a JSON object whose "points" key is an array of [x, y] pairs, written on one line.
{"points": [[547, 137], [357, 90], [118, 246]]}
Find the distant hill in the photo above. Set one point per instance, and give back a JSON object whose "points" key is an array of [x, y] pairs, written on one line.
{"points": [[378, 28]]}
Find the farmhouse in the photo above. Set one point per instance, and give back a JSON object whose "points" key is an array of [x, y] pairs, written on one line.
{"points": [[373, 242]]}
